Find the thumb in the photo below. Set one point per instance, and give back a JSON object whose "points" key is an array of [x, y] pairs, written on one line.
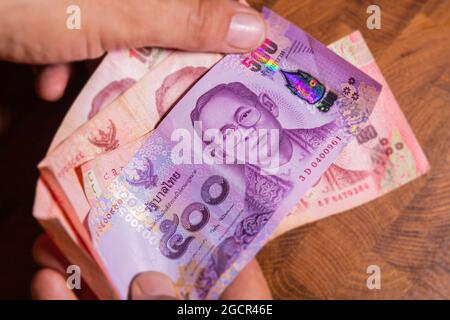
{"points": [[195, 25], [152, 285], [40, 34]]}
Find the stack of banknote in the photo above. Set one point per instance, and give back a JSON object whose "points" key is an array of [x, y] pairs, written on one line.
{"points": [[142, 175]]}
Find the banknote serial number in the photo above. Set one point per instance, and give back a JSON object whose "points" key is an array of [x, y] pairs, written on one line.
{"points": [[72, 163], [320, 157]]}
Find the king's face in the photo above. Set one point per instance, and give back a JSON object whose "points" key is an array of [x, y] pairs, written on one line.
{"points": [[229, 113]]}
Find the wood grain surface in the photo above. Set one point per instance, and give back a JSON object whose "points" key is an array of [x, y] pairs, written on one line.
{"points": [[406, 233]]}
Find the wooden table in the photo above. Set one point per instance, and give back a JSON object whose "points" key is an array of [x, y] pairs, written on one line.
{"points": [[407, 232]]}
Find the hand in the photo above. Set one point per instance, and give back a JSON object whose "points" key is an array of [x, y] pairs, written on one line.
{"points": [[35, 32], [50, 282]]}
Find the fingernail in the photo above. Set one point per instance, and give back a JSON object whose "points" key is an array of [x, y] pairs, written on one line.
{"points": [[246, 31], [152, 286]]}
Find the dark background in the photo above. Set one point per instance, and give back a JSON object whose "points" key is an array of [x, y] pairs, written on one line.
{"points": [[27, 125], [406, 232]]}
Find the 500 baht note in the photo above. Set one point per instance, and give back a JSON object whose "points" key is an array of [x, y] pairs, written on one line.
{"points": [[383, 156], [132, 115], [197, 209]]}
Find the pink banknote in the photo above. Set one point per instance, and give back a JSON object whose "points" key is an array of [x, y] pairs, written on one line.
{"points": [[117, 72], [383, 156], [388, 155], [105, 165], [126, 119], [185, 206]]}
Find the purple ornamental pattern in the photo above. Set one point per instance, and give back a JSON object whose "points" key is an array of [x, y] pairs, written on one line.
{"points": [[145, 178], [262, 193], [269, 191]]}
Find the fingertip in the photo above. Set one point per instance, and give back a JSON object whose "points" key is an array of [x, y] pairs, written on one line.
{"points": [[203, 26], [52, 80], [250, 284], [152, 285], [48, 284], [247, 30]]}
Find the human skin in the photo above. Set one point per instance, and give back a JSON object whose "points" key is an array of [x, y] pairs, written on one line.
{"points": [[50, 282], [35, 32]]}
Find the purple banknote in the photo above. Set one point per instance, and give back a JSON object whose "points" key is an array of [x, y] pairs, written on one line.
{"points": [[228, 163]]}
